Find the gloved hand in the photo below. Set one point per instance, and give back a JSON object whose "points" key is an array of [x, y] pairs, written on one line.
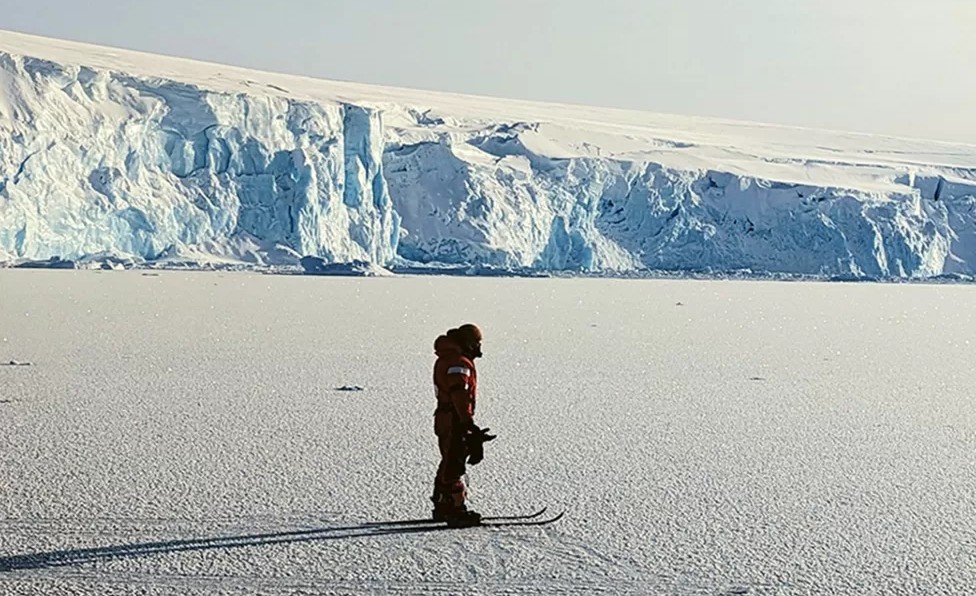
{"points": [[474, 443]]}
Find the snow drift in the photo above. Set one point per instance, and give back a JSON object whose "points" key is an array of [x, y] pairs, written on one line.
{"points": [[113, 152]]}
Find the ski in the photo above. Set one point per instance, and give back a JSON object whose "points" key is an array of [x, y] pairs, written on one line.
{"points": [[513, 518], [494, 519], [494, 523]]}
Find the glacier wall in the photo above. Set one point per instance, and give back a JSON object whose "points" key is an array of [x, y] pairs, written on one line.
{"points": [[101, 162], [521, 209], [96, 161]]}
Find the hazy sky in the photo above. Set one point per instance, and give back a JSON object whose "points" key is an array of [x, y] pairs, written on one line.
{"points": [[901, 67]]}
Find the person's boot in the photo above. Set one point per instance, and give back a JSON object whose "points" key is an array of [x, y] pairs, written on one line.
{"points": [[442, 511], [463, 517]]}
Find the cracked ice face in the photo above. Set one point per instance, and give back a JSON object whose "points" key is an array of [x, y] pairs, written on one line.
{"points": [[115, 158]]}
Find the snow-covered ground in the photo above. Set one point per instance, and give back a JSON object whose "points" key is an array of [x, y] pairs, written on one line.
{"points": [[105, 151], [183, 433]]}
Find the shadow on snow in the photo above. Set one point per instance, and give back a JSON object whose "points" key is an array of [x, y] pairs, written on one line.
{"points": [[79, 556]]}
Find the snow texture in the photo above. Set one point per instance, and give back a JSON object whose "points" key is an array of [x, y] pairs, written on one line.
{"points": [[134, 156], [182, 433]]}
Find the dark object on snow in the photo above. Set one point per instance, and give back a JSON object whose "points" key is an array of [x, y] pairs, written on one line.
{"points": [[16, 363], [349, 388], [474, 443], [319, 266], [52, 263]]}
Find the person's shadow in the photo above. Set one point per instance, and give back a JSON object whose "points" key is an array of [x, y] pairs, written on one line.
{"points": [[58, 558]]}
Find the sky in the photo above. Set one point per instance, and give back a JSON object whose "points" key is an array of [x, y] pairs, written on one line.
{"points": [[894, 67]]}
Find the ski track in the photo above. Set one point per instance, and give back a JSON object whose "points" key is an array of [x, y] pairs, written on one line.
{"points": [[107, 547], [485, 563]]}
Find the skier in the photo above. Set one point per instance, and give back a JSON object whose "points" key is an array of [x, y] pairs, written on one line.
{"points": [[459, 439]]}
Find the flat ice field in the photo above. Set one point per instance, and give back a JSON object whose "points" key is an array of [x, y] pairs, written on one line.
{"points": [[184, 433]]}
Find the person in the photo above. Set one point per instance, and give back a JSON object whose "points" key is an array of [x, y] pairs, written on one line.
{"points": [[460, 441]]}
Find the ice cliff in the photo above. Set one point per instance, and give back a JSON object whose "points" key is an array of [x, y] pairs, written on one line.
{"points": [[98, 161], [112, 152]]}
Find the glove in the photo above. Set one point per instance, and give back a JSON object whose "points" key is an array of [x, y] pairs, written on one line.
{"points": [[474, 443]]}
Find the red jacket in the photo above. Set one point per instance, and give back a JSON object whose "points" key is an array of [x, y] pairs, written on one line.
{"points": [[456, 382]]}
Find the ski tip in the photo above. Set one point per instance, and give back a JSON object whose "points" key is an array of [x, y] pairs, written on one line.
{"points": [[557, 518]]}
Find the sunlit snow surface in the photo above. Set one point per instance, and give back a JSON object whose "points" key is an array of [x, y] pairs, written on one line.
{"points": [[182, 433], [105, 151]]}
